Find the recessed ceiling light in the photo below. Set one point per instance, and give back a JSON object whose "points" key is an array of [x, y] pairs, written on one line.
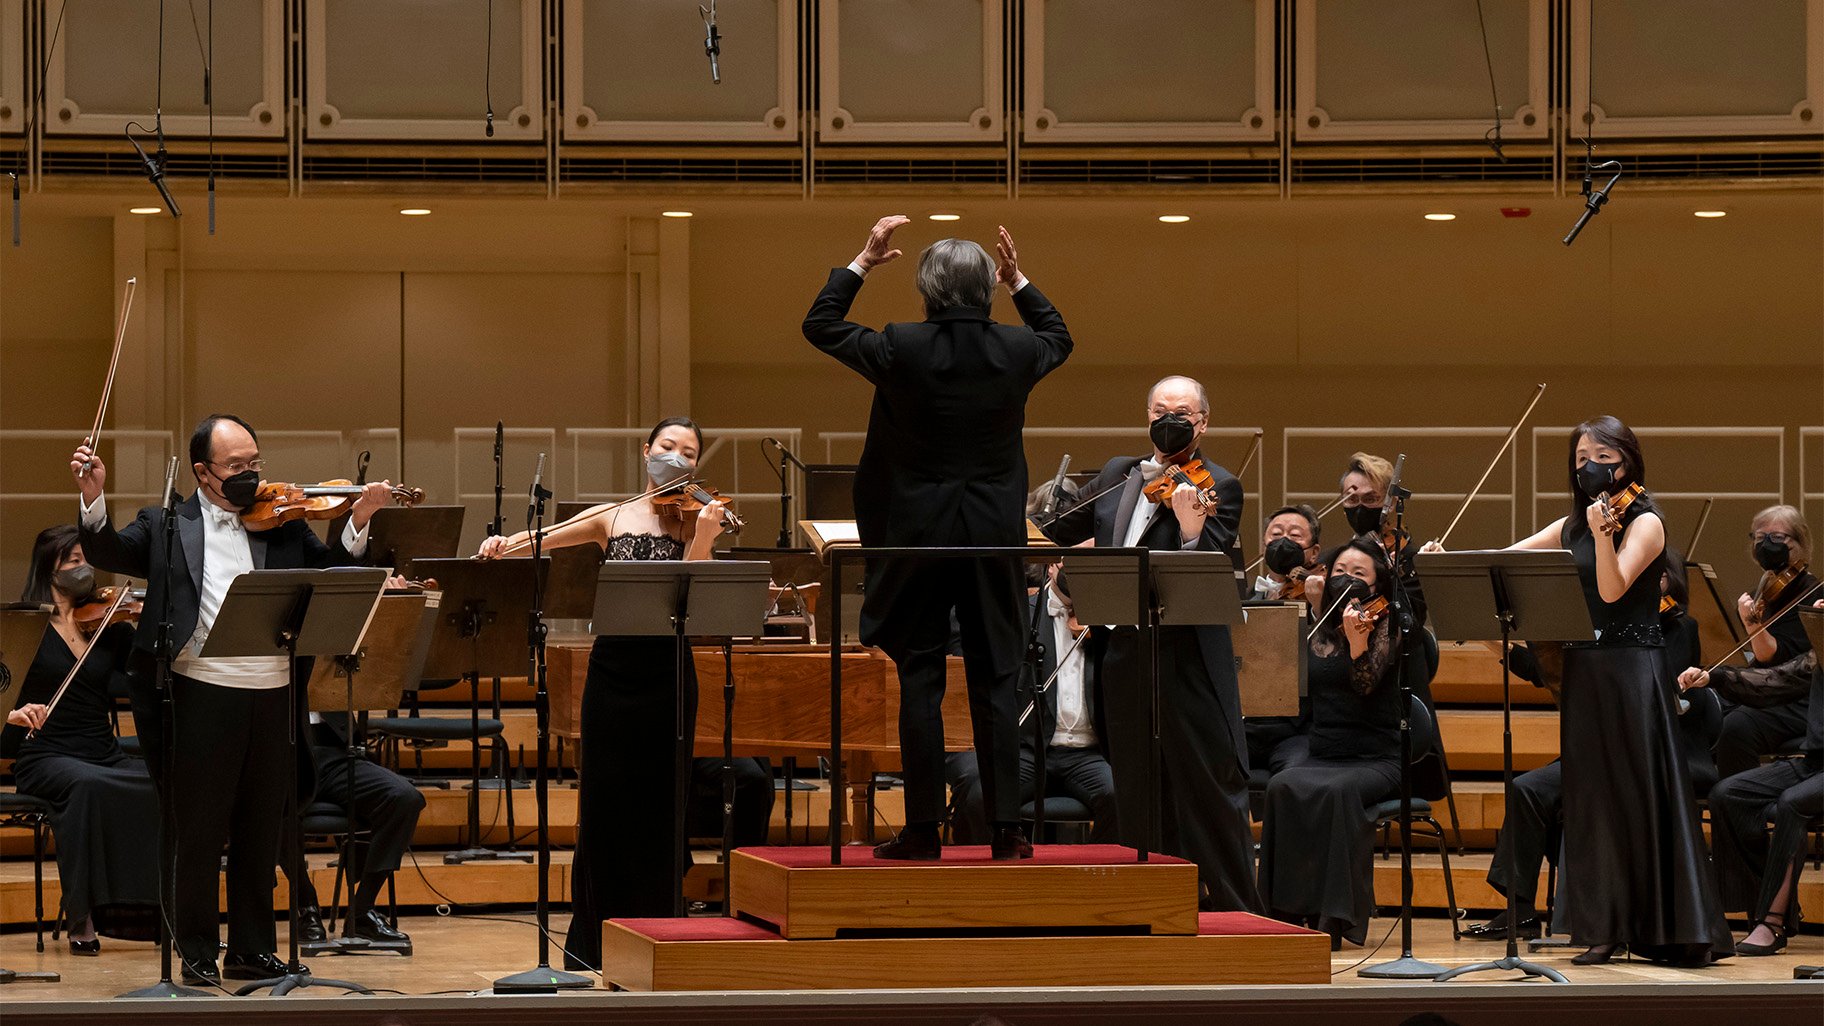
{"points": [[674, 213], [1174, 218], [415, 211], [145, 210], [1710, 213], [1440, 217], [946, 217]]}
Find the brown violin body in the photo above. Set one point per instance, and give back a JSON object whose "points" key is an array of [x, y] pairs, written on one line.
{"points": [[101, 610], [280, 503], [1374, 608], [1191, 472], [1614, 507], [688, 499], [1772, 585]]}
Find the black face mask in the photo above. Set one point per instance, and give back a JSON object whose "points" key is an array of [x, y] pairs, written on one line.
{"points": [[1172, 434], [1772, 555], [241, 490], [1340, 588], [1284, 556], [78, 582], [1363, 519], [1596, 478]]}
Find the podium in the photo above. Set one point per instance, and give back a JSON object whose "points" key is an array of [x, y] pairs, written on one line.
{"points": [[296, 614], [1506, 595]]}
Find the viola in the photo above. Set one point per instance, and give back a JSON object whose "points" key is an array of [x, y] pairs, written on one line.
{"points": [[1192, 473], [1773, 584], [687, 499], [279, 503], [102, 609], [1614, 507]]}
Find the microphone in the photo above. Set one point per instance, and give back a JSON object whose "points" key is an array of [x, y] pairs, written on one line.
{"points": [[170, 494], [1593, 204], [497, 525], [787, 453], [1057, 483], [712, 41], [532, 496], [155, 172], [14, 175]]}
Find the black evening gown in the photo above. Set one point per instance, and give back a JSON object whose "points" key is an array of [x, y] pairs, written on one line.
{"points": [[1317, 837], [634, 780], [1636, 871], [104, 811]]}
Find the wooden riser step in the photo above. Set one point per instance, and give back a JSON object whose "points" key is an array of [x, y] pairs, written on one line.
{"points": [[729, 954], [1065, 887]]}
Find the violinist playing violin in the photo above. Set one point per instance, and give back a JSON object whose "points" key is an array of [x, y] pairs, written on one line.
{"points": [[1202, 749], [629, 841], [232, 728], [1780, 543], [103, 808]]}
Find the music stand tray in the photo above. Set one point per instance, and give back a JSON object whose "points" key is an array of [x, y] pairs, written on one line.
{"points": [[22, 627], [1813, 619], [400, 536], [1271, 659]]}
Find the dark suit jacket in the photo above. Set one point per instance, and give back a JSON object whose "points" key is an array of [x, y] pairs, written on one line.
{"points": [[1046, 707], [944, 463]]}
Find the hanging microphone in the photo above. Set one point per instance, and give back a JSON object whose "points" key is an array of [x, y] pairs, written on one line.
{"points": [[1057, 483], [155, 172], [14, 175], [712, 41], [1593, 204]]}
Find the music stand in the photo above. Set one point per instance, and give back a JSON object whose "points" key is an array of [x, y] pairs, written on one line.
{"points": [[1272, 662], [699, 598], [399, 536], [1506, 594], [22, 627], [296, 613], [391, 659]]}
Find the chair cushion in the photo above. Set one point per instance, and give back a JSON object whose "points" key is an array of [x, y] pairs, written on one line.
{"points": [[12, 803], [430, 728], [323, 818], [132, 746], [1390, 809], [1059, 809]]}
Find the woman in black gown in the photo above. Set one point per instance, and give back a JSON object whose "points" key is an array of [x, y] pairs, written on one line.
{"points": [[634, 778], [1317, 838], [1636, 873], [104, 811]]}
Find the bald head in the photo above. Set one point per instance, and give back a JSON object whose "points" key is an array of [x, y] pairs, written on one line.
{"points": [[1179, 394]]}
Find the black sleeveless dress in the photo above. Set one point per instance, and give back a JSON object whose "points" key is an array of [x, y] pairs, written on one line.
{"points": [[634, 778], [1636, 871]]}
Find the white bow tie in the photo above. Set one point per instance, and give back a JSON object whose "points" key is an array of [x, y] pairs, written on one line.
{"points": [[1056, 607], [222, 517], [1150, 471]]}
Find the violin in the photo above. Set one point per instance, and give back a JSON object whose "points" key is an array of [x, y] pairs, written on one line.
{"points": [[1374, 608], [1666, 604], [1614, 507], [1191, 472], [1773, 584], [109, 606], [279, 503], [686, 499]]}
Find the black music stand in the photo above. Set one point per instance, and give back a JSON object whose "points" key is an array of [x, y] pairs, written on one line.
{"points": [[296, 614], [399, 536], [390, 660], [1504, 595], [22, 627], [700, 598]]}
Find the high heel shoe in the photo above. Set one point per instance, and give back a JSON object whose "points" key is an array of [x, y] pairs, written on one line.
{"points": [[1596, 954], [92, 946], [1780, 932]]}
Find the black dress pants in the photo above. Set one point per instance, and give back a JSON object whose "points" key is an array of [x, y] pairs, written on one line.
{"points": [[1533, 827], [1749, 733], [1751, 865]]}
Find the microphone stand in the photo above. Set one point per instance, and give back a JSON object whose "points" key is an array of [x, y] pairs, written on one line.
{"points": [[163, 652], [786, 461], [542, 979], [498, 525]]}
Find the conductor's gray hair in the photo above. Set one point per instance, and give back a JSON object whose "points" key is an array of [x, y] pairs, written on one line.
{"points": [[955, 272]]}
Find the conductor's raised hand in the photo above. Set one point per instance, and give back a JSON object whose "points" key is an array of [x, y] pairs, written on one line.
{"points": [[879, 249], [89, 483], [1007, 268]]}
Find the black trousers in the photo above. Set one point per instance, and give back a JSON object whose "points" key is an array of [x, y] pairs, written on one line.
{"points": [[1080, 773], [753, 813], [1750, 865], [1533, 825], [230, 769], [908, 610], [381, 802], [1750, 733]]}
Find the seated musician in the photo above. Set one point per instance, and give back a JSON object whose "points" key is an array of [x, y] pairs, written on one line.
{"points": [[104, 812], [753, 813], [1365, 484], [1317, 840], [1781, 545], [1289, 551]]}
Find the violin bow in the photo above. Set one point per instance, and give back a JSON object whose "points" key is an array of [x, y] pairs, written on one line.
{"points": [[599, 510], [1749, 640], [1505, 445], [120, 598], [107, 388]]}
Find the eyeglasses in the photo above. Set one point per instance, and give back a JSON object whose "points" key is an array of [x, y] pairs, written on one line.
{"points": [[1185, 412], [241, 466], [1778, 537]]}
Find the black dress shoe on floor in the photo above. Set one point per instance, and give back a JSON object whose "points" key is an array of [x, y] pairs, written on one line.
{"points": [[1009, 844], [913, 844], [372, 926], [202, 972], [92, 946], [310, 926], [1527, 927], [254, 967], [1598, 954]]}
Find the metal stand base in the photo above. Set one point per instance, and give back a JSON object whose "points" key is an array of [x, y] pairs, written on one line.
{"points": [[356, 946], [1547, 943], [1405, 968], [283, 985], [1808, 972], [457, 858], [543, 980], [12, 976], [1512, 963]]}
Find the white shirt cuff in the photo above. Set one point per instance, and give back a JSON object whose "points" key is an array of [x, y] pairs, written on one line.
{"points": [[1191, 543], [860, 271], [94, 514], [1019, 284], [355, 541]]}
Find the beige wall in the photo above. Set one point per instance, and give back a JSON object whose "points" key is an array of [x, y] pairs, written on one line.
{"points": [[333, 314]]}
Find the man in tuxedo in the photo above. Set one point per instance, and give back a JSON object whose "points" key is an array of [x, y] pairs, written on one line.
{"points": [[1203, 754], [231, 735], [1069, 712], [944, 466]]}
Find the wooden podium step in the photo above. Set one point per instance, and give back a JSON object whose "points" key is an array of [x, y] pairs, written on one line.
{"points": [[1065, 887], [733, 954]]}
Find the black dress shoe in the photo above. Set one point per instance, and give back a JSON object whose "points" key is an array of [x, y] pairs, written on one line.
{"points": [[1526, 927], [1598, 954], [255, 967], [913, 844], [92, 946], [372, 926], [1742, 947], [202, 972], [310, 926], [1010, 843]]}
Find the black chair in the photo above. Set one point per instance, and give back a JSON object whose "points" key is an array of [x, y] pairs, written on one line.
{"points": [[1431, 775], [420, 732], [329, 821], [28, 813], [1062, 814], [1386, 814]]}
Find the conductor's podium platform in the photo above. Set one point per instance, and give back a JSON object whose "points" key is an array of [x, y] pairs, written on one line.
{"points": [[1074, 915]]}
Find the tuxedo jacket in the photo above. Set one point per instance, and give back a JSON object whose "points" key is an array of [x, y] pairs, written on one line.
{"points": [[1045, 707], [944, 463]]}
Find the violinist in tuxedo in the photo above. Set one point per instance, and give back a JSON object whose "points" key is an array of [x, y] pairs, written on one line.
{"points": [[231, 729], [1203, 753], [944, 465], [1068, 711]]}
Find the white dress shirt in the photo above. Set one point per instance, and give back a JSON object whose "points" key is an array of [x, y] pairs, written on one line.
{"points": [[1145, 509], [1074, 727], [227, 554]]}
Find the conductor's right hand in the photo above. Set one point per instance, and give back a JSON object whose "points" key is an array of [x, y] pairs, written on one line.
{"points": [[90, 483], [879, 249], [492, 547]]}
